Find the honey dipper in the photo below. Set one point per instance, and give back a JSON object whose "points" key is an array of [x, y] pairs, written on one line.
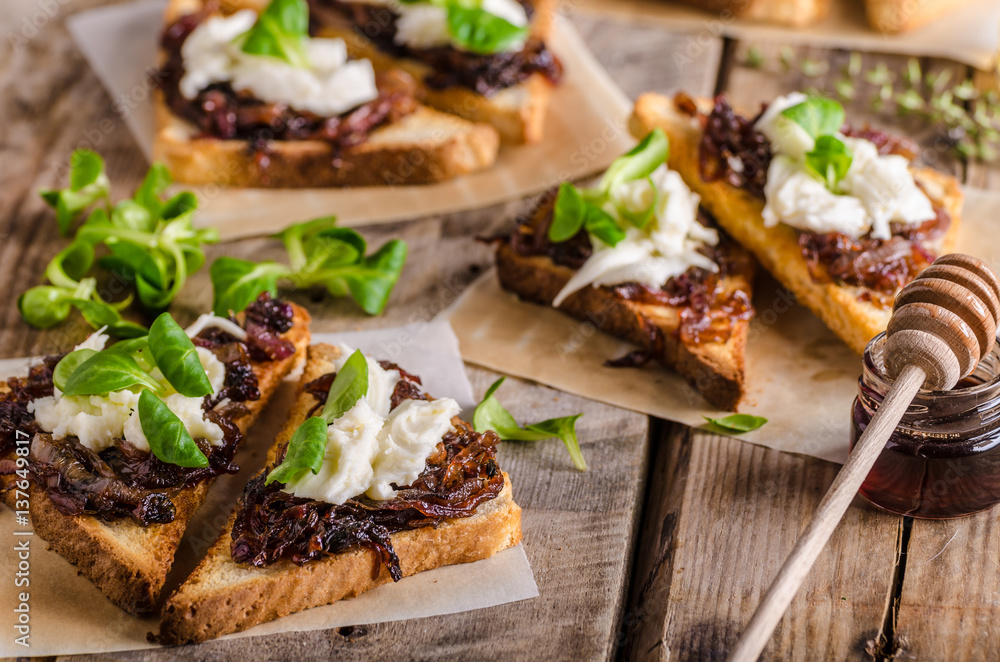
{"points": [[942, 324]]}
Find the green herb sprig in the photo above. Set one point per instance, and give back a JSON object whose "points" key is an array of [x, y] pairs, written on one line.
{"points": [[822, 118], [476, 30], [308, 444], [737, 423], [147, 240], [320, 253], [280, 32], [491, 415], [584, 208], [128, 365]]}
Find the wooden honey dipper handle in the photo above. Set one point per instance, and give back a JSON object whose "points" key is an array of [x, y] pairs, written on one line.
{"points": [[942, 324]]}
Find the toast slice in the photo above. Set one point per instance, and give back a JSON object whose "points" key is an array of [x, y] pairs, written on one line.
{"points": [[896, 16], [714, 365], [222, 596], [794, 13], [129, 562], [422, 147], [842, 307], [517, 112]]}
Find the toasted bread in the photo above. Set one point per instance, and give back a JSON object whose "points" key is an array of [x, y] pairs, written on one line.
{"points": [[423, 147], [795, 13], [895, 16], [517, 112], [777, 248], [715, 369], [129, 562], [222, 596]]}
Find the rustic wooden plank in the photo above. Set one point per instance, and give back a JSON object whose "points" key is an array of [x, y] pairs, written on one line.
{"points": [[710, 546]]}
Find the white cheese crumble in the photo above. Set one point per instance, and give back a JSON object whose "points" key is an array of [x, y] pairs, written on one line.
{"points": [[369, 448], [423, 25], [96, 341], [329, 86], [876, 191], [666, 248], [98, 420]]}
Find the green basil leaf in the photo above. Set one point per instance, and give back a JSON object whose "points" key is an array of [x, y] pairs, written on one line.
{"points": [[129, 260], [600, 224], [491, 415], [106, 372], [70, 264], [305, 452], [85, 168], [280, 31], [238, 282], [153, 185], [829, 160], [818, 116], [88, 184], [68, 364], [475, 30], [130, 215], [738, 422], [349, 386], [638, 163], [45, 306], [295, 236], [371, 281], [177, 358], [178, 206], [564, 429], [152, 297], [567, 214], [100, 314], [168, 439], [642, 218], [138, 349]]}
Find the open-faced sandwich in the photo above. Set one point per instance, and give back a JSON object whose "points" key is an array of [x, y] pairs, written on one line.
{"points": [[371, 480], [126, 439], [485, 60], [796, 13], [839, 215], [249, 99], [640, 258], [894, 16]]}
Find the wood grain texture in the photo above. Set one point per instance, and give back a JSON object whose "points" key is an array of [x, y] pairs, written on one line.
{"points": [[731, 515]]}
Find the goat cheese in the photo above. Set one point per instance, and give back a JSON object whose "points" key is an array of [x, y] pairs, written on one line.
{"points": [[329, 86], [876, 191], [665, 249], [370, 448], [97, 420]]}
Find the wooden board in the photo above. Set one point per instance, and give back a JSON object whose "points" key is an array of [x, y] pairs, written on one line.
{"points": [[663, 549]]}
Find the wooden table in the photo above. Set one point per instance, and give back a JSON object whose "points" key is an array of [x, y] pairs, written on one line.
{"points": [[662, 549]]}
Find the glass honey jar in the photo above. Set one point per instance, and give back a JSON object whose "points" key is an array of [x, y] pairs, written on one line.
{"points": [[943, 459]]}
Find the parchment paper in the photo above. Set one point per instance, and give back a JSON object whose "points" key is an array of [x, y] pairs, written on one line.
{"points": [[800, 376], [584, 131], [69, 615], [970, 34]]}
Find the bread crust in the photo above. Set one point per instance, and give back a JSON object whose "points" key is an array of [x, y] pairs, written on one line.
{"points": [[222, 596], [517, 113], [795, 13], [739, 213], [896, 16], [715, 369], [423, 147], [129, 562]]}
